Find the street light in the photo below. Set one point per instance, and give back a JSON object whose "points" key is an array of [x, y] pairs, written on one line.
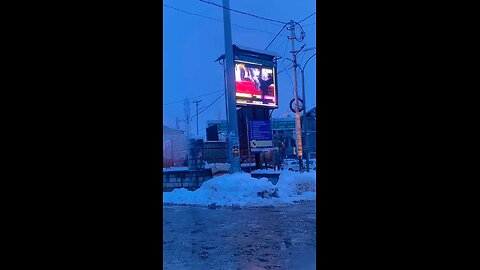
{"points": [[305, 110]]}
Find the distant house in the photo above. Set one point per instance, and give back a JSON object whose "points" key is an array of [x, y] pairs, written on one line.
{"points": [[311, 127], [284, 136], [284, 132], [174, 148]]}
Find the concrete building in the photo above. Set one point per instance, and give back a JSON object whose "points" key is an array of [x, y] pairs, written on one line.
{"points": [[174, 148], [311, 128], [283, 129], [221, 128]]}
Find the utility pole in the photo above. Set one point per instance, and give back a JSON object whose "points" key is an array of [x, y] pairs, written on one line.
{"points": [[295, 91], [304, 119], [187, 117], [304, 131], [233, 140], [196, 104]]}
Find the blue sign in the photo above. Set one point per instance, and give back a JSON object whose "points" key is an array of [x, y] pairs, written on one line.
{"points": [[260, 135]]}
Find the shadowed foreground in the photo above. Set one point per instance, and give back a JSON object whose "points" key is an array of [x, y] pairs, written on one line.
{"points": [[282, 237]]}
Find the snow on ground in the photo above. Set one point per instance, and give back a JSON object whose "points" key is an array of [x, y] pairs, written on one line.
{"points": [[218, 167], [174, 169], [266, 171], [295, 186], [240, 189], [247, 165]]}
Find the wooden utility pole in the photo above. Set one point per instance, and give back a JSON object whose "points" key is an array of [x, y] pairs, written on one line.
{"points": [[298, 127], [196, 104]]}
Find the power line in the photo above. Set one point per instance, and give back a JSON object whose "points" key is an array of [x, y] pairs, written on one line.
{"points": [[285, 69], [241, 12], [204, 109], [212, 103], [218, 20], [275, 37], [302, 33], [191, 13], [278, 47], [308, 60], [301, 60], [283, 63], [308, 17], [194, 97], [209, 105], [303, 52]]}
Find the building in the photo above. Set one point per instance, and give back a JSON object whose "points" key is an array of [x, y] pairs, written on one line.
{"points": [[221, 128], [174, 148], [284, 132], [311, 131], [283, 129]]}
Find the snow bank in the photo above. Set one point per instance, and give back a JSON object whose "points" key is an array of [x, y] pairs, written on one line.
{"points": [[295, 186], [243, 165], [218, 167], [266, 171], [240, 189], [174, 169]]}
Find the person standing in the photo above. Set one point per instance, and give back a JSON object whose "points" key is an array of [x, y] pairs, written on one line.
{"points": [[264, 84]]}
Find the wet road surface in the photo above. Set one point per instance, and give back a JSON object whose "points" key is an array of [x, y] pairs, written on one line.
{"points": [[282, 237]]}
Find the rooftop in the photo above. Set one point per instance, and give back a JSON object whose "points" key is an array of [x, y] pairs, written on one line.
{"points": [[167, 130]]}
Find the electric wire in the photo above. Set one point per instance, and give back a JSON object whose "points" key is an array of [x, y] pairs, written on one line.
{"points": [[308, 17], [309, 59], [218, 20], [244, 13], [281, 30], [285, 69], [209, 105], [183, 100], [302, 33], [283, 63], [304, 64], [301, 60], [281, 44], [191, 13], [188, 121]]}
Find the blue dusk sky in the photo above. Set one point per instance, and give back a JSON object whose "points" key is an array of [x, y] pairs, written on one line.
{"points": [[191, 43]]}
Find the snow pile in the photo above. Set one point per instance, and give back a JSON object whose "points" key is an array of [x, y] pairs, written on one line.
{"points": [[218, 167], [227, 190], [295, 186], [243, 165], [175, 169], [266, 171], [240, 189]]}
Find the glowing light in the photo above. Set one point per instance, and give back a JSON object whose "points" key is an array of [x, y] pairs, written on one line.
{"points": [[244, 95]]}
